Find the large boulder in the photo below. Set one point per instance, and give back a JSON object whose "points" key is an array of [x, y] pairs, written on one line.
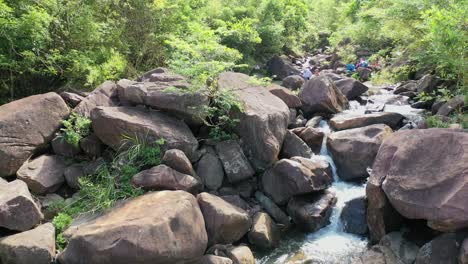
{"points": [[272, 209], [348, 121], [166, 94], [114, 125], [18, 209], [281, 67], [353, 216], [264, 232], [288, 178], [463, 258], [354, 150], [424, 175], [27, 125], [162, 177], [235, 164], [406, 87], [210, 170], [240, 255], [225, 223], [34, 246], [351, 88], [158, 227], [312, 212], [44, 174], [61, 147], [177, 160], [443, 249], [320, 95], [290, 99], [428, 83], [293, 82], [454, 104], [364, 73], [313, 137], [104, 95], [294, 146], [263, 121], [160, 74]]}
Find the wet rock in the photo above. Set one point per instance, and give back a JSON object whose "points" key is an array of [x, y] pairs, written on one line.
{"points": [[240, 255], [43, 174], [272, 209], [351, 88], [264, 232], [290, 99], [104, 95], [293, 82], [313, 137], [454, 104], [354, 150], [420, 182], [353, 216], [348, 121], [177, 160], [26, 126], [212, 259], [163, 177], [428, 83], [263, 121], [72, 99], [236, 166], [463, 257], [320, 95], [158, 227], [224, 222], [34, 246], [19, 210], [319, 167], [281, 67], [314, 121], [312, 212], [288, 178], [91, 145], [210, 170], [63, 148], [294, 146], [443, 249], [111, 124]]}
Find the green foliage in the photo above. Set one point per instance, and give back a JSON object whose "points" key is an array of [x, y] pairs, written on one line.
{"points": [[263, 81], [61, 221], [76, 128]]}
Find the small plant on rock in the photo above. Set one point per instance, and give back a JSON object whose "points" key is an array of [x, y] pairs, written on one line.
{"points": [[264, 81], [76, 128]]}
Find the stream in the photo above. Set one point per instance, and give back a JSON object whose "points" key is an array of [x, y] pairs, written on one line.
{"points": [[331, 245]]}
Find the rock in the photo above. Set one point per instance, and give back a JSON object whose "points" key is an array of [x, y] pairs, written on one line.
{"points": [[160, 74], [241, 255], [162, 177], [72, 175], [72, 99], [281, 67], [177, 160], [314, 121], [236, 166], [236, 200], [26, 126], [312, 212], [377, 255], [290, 99], [292, 116], [293, 82], [111, 124], [19, 211], [348, 121], [104, 95], [63, 148], [91, 145], [318, 166], [351, 88], [428, 83], [454, 104], [224, 222], [34, 246], [43, 174], [364, 73], [263, 121], [246, 188], [288, 178], [320, 95], [420, 182], [264, 232], [443, 249], [212, 259], [47, 205], [403, 250], [423, 105], [354, 150], [406, 87], [463, 258], [158, 227], [294, 146], [353, 216], [272, 209], [436, 106], [210, 170], [171, 96], [313, 137]]}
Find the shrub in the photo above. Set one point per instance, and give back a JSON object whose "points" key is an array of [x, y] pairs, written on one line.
{"points": [[76, 128]]}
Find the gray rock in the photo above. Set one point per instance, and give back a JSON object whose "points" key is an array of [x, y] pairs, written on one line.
{"points": [[43, 174], [281, 67], [320, 95], [91, 145], [210, 170], [236, 166], [72, 99], [162, 177], [104, 95], [212, 259], [353, 216], [454, 104], [293, 82], [272, 209], [240, 255], [290, 99], [348, 121], [294, 146], [264, 232], [351, 88], [442, 249], [177, 160], [63, 148]]}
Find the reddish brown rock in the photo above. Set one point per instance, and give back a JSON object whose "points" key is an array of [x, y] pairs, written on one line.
{"points": [[264, 232], [104, 95], [320, 95], [290, 99]]}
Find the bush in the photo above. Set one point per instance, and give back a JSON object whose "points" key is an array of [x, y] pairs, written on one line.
{"points": [[76, 128]]}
